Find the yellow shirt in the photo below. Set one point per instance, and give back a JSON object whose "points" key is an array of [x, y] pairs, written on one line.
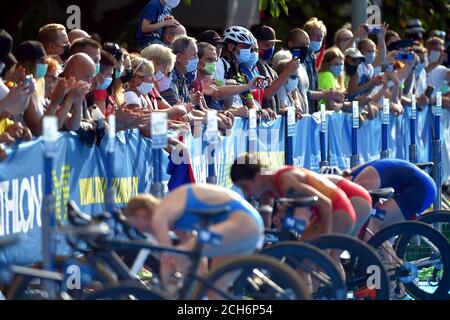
{"points": [[5, 124]]}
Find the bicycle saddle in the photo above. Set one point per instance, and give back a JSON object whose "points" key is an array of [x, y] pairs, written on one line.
{"points": [[385, 193]]}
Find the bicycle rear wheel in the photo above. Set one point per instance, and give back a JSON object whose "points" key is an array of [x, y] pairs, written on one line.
{"points": [[256, 277], [429, 255], [366, 277], [438, 217], [307, 258]]}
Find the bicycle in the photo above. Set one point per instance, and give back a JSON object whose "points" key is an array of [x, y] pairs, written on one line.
{"points": [[274, 280]]}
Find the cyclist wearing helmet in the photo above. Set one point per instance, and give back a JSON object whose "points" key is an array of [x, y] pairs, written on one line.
{"points": [[240, 228], [332, 213], [415, 191], [239, 58], [358, 196]]}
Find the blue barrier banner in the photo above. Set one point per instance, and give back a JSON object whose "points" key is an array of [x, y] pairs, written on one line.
{"points": [[80, 174]]}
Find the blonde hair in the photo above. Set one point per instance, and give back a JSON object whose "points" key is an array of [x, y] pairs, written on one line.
{"points": [[364, 42], [142, 201], [53, 65], [330, 55], [141, 66], [315, 23], [160, 55], [48, 33]]}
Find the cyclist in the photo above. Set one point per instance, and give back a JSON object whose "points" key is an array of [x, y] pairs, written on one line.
{"points": [[415, 191], [333, 211], [240, 228], [358, 196]]}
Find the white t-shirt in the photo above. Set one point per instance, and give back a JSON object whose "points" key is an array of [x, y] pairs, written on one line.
{"points": [[131, 97], [437, 78], [420, 83], [363, 71], [221, 66]]}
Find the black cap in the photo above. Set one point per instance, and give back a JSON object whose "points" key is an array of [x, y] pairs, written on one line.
{"points": [[6, 42], [30, 50], [211, 37], [265, 33]]}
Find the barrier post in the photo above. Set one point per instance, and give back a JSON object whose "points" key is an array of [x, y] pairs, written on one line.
{"points": [[50, 131], [212, 131], [252, 143], [323, 131], [111, 144], [384, 130], [412, 131], [354, 160], [159, 141], [437, 150], [290, 132]]}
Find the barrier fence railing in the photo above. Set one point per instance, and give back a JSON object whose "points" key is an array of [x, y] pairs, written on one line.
{"points": [[82, 174]]}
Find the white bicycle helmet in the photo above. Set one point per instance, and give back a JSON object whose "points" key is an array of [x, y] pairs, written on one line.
{"points": [[331, 170], [239, 34]]}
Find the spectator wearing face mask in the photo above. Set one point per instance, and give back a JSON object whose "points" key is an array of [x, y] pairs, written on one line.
{"points": [[288, 92], [185, 50], [104, 81], [438, 74], [331, 74], [55, 40], [115, 91], [156, 16], [164, 61], [316, 31], [240, 55], [214, 39], [215, 94], [365, 80], [89, 46], [298, 44], [31, 56], [141, 85], [170, 33], [266, 38]]}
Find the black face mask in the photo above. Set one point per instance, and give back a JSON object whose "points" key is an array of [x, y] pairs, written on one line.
{"points": [[350, 69], [66, 54], [128, 75], [300, 53]]}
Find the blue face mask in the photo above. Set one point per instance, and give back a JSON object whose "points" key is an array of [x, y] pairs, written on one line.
{"points": [[244, 55], [291, 84], [420, 67], [253, 60], [119, 73], [97, 69], [105, 85], [315, 46], [337, 70], [192, 65], [370, 58], [41, 70]]}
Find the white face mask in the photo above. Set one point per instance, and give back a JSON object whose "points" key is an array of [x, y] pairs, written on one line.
{"points": [[164, 84], [159, 76], [172, 3], [434, 56], [291, 84], [145, 87]]}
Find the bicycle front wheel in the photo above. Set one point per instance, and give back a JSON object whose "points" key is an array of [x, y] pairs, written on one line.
{"points": [[424, 259], [306, 258], [256, 277]]}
